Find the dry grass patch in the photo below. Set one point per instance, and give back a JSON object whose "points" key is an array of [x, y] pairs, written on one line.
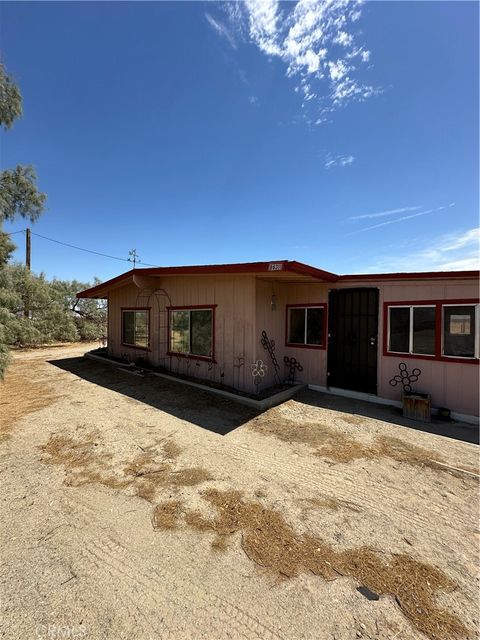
{"points": [[171, 450], [165, 515], [23, 392], [82, 463], [189, 477], [269, 541], [85, 463], [336, 446]]}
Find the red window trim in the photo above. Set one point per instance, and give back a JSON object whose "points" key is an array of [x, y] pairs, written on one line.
{"points": [[306, 305], [190, 356], [132, 346], [438, 357]]}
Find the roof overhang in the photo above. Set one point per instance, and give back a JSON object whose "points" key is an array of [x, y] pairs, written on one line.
{"points": [[281, 270]]}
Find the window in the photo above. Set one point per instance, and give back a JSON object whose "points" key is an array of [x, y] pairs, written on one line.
{"points": [[306, 325], [412, 330], [135, 328], [434, 329], [459, 328], [191, 332]]}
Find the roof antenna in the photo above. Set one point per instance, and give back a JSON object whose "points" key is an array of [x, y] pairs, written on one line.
{"points": [[133, 257]]}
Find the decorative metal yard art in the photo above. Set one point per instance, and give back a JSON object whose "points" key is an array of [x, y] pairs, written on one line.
{"points": [[293, 366], [259, 369], [238, 363], [404, 378], [269, 345]]}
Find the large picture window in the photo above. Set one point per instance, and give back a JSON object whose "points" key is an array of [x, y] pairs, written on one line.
{"points": [[436, 329], [306, 325], [135, 328], [191, 331], [459, 331]]}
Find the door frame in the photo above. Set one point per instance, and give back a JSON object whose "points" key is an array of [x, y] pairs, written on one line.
{"points": [[331, 324]]}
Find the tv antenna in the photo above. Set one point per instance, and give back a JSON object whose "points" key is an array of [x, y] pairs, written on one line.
{"points": [[134, 257]]}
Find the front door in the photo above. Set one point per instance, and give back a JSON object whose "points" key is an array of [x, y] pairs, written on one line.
{"points": [[352, 339]]}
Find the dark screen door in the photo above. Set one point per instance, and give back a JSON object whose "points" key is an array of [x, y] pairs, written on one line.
{"points": [[352, 339]]}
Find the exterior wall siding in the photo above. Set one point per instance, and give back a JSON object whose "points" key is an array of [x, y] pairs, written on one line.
{"points": [[244, 310], [234, 325], [451, 384]]}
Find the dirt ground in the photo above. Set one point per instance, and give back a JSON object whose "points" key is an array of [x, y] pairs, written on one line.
{"points": [[133, 507]]}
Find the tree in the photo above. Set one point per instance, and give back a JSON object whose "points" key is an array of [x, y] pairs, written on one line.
{"points": [[19, 197], [10, 100], [55, 313]]}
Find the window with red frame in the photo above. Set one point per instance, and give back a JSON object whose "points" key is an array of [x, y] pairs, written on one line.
{"points": [[135, 328], [191, 332], [413, 330], [306, 326]]}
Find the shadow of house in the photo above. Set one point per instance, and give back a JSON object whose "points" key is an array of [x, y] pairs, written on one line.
{"points": [[387, 413], [203, 409]]}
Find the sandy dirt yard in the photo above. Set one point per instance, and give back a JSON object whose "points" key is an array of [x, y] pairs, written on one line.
{"points": [[133, 507]]}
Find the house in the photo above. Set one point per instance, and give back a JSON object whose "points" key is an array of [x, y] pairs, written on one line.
{"points": [[345, 333]]}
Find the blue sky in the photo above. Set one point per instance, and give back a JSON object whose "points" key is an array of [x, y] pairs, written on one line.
{"points": [[341, 135]]}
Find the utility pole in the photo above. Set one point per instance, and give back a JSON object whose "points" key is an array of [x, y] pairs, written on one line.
{"points": [[28, 248], [133, 257], [28, 255]]}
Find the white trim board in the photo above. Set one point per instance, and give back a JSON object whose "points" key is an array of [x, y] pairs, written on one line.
{"points": [[370, 397]]}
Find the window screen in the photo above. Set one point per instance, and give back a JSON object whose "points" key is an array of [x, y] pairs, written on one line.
{"points": [[191, 332], [399, 329], [296, 328], [306, 325], [424, 330], [459, 331], [135, 328]]}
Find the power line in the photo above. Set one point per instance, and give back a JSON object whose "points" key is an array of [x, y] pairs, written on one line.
{"points": [[12, 233], [73, 246]]}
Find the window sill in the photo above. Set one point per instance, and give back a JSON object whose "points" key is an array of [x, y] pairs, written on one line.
{"points": [[190, 356], [432, 358], [305, 346], [133, 346]]}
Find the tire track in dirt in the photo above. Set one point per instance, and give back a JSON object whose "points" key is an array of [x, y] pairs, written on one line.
{"points": [[143, 586], [114, 560], [308, 474]]}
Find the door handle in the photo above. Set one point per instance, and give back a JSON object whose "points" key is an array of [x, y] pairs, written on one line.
{"points": [[373, 341]]}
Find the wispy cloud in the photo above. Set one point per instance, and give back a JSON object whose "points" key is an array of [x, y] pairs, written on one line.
{"points": [[222, 30], [253, 100], [401, 219], [381, 214], [455, 251], [317, 42], [338, 161]]}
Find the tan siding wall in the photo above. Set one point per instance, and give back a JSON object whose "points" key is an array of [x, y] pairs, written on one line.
{"points": [[234, 325], [313, 361], [244, 310], [453, 385]]}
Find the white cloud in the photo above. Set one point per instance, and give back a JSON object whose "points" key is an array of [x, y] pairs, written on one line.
{"points": [[338, 161], [221, 29], [381, 214], [315, 39], [456, 251], [253, 100], [401, 219]]}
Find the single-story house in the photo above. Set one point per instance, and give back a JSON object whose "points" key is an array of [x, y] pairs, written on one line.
{"points": [[341, 333]]}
